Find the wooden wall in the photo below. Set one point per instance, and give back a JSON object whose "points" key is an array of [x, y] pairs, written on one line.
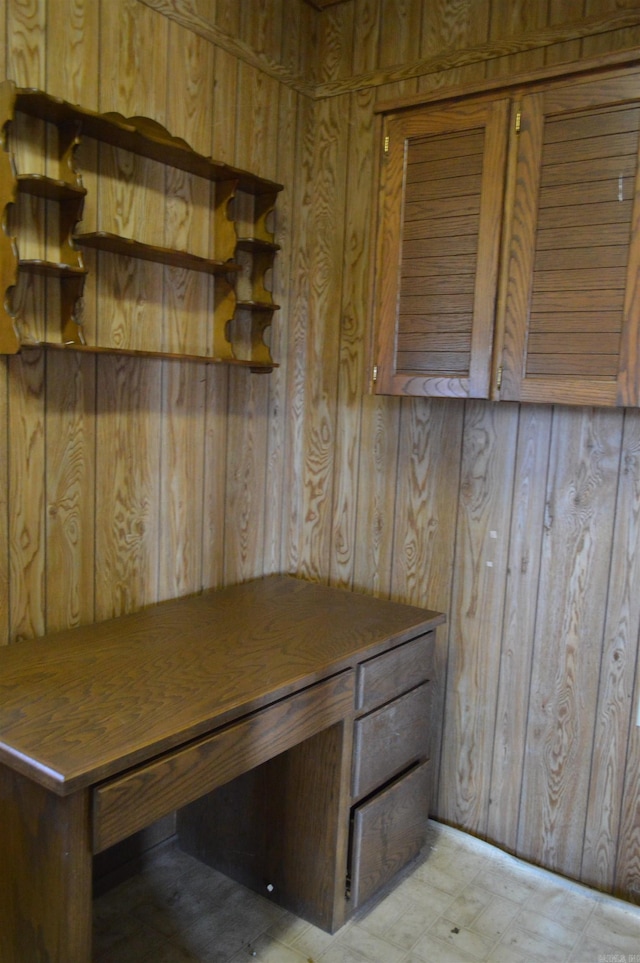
{"points": [[522, 523], [124, 481], [131, 480]]}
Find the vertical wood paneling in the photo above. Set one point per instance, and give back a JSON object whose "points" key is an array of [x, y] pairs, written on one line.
{"points": [[627, 870], [297, 336], [72, 32], [282, 279], [220, 124], [564, 11], [187, 306], [447, 26], [510, 19], [70, 489], [481, 554], [192, 476], [127, 485], [616, 708], [329, 437], [129, 424], [26, 25], [429, 460], [576, 552], [521, 595], [329, 183], [4, 501], [352, 377], [4, 435], [26, 495], [396, 39], [613, 40], [255, 149]]}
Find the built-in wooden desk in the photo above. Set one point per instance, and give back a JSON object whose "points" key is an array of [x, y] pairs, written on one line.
{"points": [[278, 711]]}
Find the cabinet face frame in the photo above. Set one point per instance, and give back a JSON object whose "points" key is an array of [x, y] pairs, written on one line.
{"points": [[566, 99], [492, 118]]}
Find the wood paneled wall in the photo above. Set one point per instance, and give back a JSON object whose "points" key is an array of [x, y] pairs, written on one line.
{"points": [[128, 480], [520, 522]]}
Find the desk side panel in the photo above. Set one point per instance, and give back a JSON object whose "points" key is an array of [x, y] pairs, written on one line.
{"points": [[45, 854]]}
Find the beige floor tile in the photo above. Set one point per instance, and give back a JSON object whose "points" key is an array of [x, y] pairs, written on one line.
{"points": [[552, 930], [588, 950], [339, 953], [461, 938], [616, 928], [429, 898], [462, 902], [409, 927], [267, 950], [494, 921], [510, 884], [287, 928], [372, 947], [534, 947], [466, 907], [571, 907], [431, 950]]}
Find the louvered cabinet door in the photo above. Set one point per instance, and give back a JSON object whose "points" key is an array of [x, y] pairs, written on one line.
{"points": [[572, 298], [440, 212]]}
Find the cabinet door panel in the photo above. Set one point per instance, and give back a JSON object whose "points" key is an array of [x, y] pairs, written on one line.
{"points": [[438, 249], [570, 318]]}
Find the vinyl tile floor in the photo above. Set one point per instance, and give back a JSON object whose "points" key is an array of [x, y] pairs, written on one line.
{"points": [[462, 900]]}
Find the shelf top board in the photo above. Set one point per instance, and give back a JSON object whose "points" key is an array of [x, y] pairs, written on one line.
{"points": [[140, 135]]}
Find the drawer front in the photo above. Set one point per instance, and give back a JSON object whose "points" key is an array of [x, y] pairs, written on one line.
{"points": [[128, 803], [389, 675], [388, 831], [389, 739]]}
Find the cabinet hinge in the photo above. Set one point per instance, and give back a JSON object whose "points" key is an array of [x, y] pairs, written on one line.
{"points": [[387, 141], [518, 121], [374, 373], [499, 379]]}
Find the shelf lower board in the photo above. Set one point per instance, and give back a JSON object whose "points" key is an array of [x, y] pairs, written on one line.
{"points": [[114, 244], [266, 306], [39, 185], [255, 366], [51, 269], [257, 244]]}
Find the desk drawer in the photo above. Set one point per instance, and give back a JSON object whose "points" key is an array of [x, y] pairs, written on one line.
{"points": [[388, 830], [389, 739], [389, 675], [127, 803]]}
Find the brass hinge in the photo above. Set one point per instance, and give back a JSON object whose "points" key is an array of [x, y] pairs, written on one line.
{"points": [[374, 373], [499, 379], [518, 121], [387, 141]]}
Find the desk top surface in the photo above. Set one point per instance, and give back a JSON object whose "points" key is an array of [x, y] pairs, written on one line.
{"points": [[84, 704]]}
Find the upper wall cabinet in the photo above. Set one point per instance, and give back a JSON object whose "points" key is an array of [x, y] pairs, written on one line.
{"points": [[572, 319], [438, 248], [509, 246], [150, 205]]}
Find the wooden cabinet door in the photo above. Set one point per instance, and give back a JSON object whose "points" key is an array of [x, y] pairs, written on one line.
{"points": [[440, 214], [572, 296]]}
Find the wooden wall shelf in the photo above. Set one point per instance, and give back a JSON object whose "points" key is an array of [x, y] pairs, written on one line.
{"points": [[128, 247], [254, 196]]}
